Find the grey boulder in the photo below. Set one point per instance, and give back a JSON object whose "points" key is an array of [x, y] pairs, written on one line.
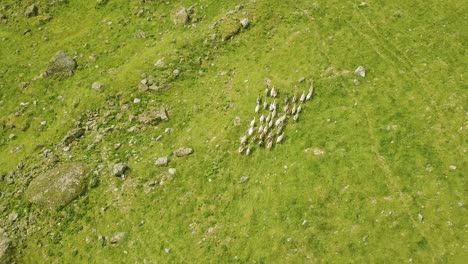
{"points": [[59, 186]]}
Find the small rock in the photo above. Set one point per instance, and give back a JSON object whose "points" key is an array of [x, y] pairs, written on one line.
{"points": [[136, 100], [13, 216], [120, 169], [176, 72], [159, 63], [5, 248], [243, 179], [73, 135], [23, 85], [452, 167], [356, 82], [12, 136], [181, 16], [96, 86], [300, 80], [245, 22], [167, 130], [237, 121], [158, 138], [420, 217], [360, 71], [318, 152], [172, 171], [31, 11], [117, 238], [182, 152], [153, 117], [162, 162], [61, 64], [167, 250]]}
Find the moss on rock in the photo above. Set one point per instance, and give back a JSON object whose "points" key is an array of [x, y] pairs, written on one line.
{"points": [[59, 186]]}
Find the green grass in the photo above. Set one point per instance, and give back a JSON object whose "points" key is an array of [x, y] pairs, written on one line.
{"points": [[357, 203]]}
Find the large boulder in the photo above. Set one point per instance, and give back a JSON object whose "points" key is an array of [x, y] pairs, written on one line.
{"points": [[5, 248], [59, 186], [61, 64]]}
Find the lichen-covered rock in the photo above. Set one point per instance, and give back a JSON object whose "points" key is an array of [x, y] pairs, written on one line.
{"points": [[162, 162], [153, 117], [120, 169], [182, 152], [5, 248], [59, 186], [61, 64], [181, 16], [31, 11], [229, 28], [72, 135]]}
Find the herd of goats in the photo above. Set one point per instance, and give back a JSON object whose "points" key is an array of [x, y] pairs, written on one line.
{"points": [[269, 129]]}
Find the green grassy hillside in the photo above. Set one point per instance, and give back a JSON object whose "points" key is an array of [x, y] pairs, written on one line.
{"points": [[373, 171]]}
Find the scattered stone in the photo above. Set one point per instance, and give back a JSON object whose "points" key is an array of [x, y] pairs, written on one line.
{"points": [[301, 80], [356, 82], [96, 86], [460, 204], [31, 11], [360, 71], [136, 100], [117, 238], [167, 130], [176, 72], [452, 167], [73, 135], [182, 152], [167, 250], [61, 64], [59, 186], [362, 5], [12, 136], [172, 171], [158, 138], [162, 162], [120, 169], [244, 179], [5, 248], [245, 22], [181, 16]]}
